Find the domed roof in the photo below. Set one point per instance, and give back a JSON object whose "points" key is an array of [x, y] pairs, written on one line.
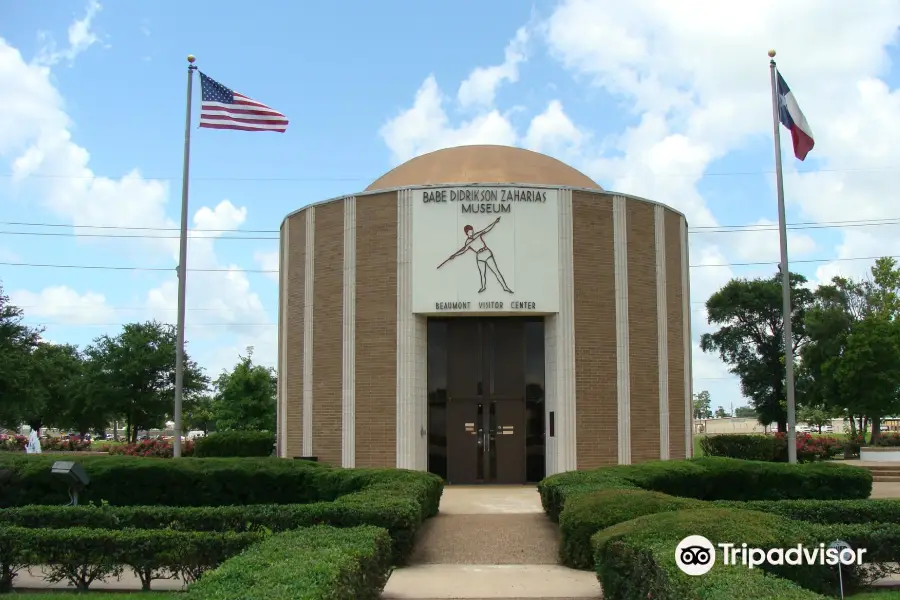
{"points": [[483, 164]]}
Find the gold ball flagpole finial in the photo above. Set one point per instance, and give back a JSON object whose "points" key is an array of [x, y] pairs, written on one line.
{"points": [[772, 53], [191, 58]]}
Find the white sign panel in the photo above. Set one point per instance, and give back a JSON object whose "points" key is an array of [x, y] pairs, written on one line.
{"points": [[485, 249]]}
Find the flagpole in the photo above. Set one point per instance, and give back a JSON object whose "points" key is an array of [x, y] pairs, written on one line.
{"points": [[785, 274], [182, 263]]}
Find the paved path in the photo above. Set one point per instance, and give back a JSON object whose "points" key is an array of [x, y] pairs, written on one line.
{"points": [[489, 543]]}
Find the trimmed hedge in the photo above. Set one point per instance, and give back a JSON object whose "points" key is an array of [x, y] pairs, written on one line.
{"points": [[81, 556], [713, 478], [773, 448], [827, 512], [400, 517], [235, 443], [636, 559], [587, 514], [305, 564], [228, 495]]}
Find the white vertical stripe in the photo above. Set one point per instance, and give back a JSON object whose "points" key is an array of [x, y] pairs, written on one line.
{"points": [[623, 361], [308, 326], [688, 343], [565, 341], [283, 282], [662, 323], [348, 345], [407, 417]]}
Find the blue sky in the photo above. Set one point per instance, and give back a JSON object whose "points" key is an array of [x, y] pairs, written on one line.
{"points": [[666, 103]]}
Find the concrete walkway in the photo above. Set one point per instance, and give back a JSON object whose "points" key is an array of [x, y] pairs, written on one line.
{"points": [[489, 543]]}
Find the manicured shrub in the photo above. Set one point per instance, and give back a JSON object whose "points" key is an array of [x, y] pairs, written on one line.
{"points": [[80, 556], [587, 502], [829, 512], [219, 494], [313, 563], [770, 448], [235, 443], [589, 513], [713, 478], [742, 446], [126, 480], [636, 559], [148, 449]]}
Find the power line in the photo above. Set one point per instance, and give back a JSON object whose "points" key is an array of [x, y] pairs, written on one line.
{"points": [[113, 268], [111, 324], [127, 228], [693, 230], [138, 237], [122, 308], [350, 179]]}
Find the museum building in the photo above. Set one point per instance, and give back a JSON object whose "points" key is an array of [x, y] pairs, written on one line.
{"points": [[486, 313]]}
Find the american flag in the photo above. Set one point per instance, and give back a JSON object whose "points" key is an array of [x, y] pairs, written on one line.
{"points": [[223, 108]]}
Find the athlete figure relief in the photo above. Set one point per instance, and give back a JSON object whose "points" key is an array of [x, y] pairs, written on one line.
{"points": [[484, 256]]}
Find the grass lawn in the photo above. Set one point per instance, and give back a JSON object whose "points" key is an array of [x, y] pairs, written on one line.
{"points": [[891, 594], [94, 595]]}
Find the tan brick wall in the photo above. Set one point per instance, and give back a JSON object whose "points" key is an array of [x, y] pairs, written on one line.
{"points": [[675, 311], [293, 330], [595, 330], [376, 330], [328, 284], [642, 332]]}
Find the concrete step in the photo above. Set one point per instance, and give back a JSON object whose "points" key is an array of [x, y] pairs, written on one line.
{"points": [[491, 582], [886, 478], [492, 539]]}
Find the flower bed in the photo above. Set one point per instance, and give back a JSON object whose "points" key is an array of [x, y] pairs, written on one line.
{"points": [[771, 448], [625, 522], [148, 449]]}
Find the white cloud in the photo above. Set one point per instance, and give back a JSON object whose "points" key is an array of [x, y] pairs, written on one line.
{"points": [[38, 141], [694, 78], [80, 37], [425, 126], [64, 304], [553, 132], [480, 88], [268, 261]]}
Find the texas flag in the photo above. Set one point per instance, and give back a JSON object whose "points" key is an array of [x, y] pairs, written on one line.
{"points": [[792, 118]]}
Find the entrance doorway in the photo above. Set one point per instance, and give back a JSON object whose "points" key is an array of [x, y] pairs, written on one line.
{"points": [[486, 399]]}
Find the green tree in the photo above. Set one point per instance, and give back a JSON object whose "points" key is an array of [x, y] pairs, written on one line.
{"points": [[199, 413], [63, 389], [745, 412], [721, 413], [750, 338], [702, 409], [814, 416], [852, 326], [135, 375], [869, 370], [245, 397], [18, 403]]}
